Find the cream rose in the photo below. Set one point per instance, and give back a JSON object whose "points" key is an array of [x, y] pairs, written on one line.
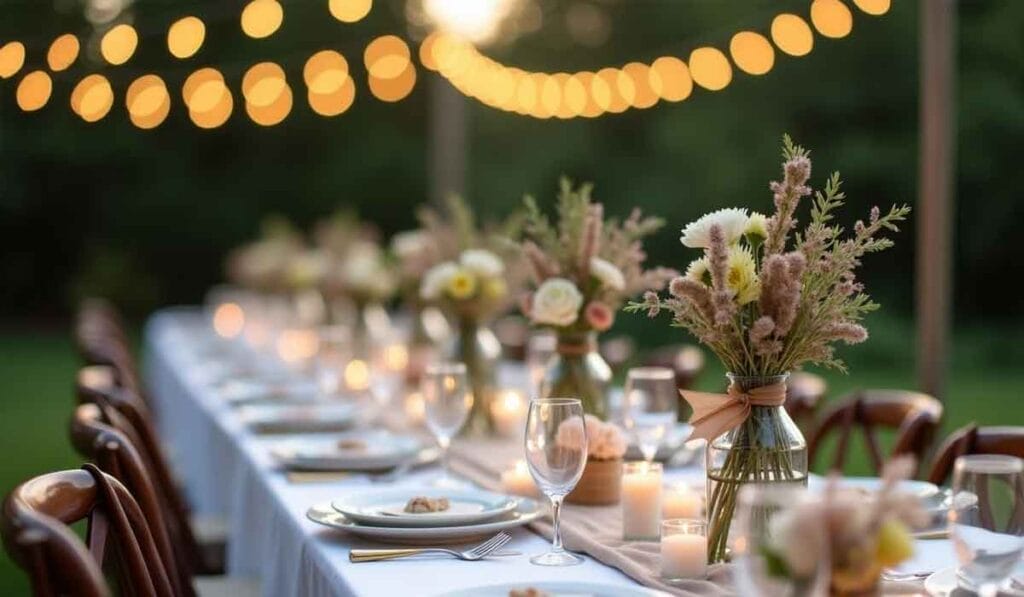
{"points": [[557, 302], [609, 275]]}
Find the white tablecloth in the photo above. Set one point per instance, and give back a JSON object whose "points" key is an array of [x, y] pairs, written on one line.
{"points": [[227, 471]]}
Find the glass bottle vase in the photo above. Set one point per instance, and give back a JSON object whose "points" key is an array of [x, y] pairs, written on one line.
{"points": [[767, 448], [476, 345], [577, 370]]}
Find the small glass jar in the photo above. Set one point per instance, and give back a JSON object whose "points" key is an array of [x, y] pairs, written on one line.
{"points": [[684, 549]]}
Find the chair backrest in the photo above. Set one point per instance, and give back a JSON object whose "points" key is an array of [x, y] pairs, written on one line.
{"points": [[914, 416], [35, 523], [102, 339], [804, 393], [117, 456], [972, 439], [123, 411]]}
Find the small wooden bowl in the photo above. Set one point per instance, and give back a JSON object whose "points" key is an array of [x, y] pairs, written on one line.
{"points": [[600, 485]]}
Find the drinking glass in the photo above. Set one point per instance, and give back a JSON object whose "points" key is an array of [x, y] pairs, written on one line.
{"points": [[986, 520], [779, 542], [651, 405], [556, 453], [539, 349], [335, 353], [388, 361], [446, 401]]}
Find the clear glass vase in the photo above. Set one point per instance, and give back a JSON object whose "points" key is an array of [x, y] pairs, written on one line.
{"points": [[766, 449], [430, 331], [577, 370], [476, 345]]}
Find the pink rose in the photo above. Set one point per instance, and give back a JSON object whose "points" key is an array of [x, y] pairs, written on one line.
{"points": [[599, 316]]}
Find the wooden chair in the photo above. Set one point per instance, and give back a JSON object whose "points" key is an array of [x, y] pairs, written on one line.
{"points": [[972, 439], [34, 523], [914, 416], [126, 413], [101, 339], [804, 393]]}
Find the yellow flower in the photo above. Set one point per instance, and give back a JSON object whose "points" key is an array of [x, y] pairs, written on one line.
{"points": [[741, 277], [461, 285], [495, 288], [698, 271], [894, 543], [757, 226]]}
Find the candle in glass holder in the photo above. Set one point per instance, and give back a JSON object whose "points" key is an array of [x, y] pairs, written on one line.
{"points": [[641, 500], [518, 480], [681, 502], [508, 411], [684, 549]]}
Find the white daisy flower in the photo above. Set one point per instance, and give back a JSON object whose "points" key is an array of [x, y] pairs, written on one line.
{"points": [[732, 220], [482, 263]]}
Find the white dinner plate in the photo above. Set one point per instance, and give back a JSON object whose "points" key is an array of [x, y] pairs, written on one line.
{"points": [[387, 508], [921, 489], [247, 391], [944, 583], [297, 418], [353, 451], [558, 589], [526, 512]]}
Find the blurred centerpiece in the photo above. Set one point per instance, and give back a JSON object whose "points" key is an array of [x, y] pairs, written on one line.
{"points": [[765, 311], [416, 252], [583, 267], [472, 283]]}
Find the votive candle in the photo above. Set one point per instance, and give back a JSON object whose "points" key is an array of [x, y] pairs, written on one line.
{"points": [[508, 411], [681, 502], [684, 549], [641, 500], [518, 481]]}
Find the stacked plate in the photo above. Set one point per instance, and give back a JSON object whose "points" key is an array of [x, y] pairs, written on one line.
{"points": [[385, 516], [254, 391], [354, 451], [288, 417]]}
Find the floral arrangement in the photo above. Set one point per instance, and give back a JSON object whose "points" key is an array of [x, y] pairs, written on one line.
{"points": [[584, 267], [355, 265], [605, 441], [266, 263], [862, 533], [766, 301], [415, 253]]}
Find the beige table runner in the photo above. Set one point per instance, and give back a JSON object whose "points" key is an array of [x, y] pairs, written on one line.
{"points": [[594, 530]]}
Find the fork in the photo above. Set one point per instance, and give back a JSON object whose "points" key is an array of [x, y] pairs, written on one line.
{"points": [[471, 555]]}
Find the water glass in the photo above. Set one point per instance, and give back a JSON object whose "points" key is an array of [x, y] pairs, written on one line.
{"points": [[650, 407], [539, 349], [556, 453], [986, 520], [779, 542], [446, 402]]}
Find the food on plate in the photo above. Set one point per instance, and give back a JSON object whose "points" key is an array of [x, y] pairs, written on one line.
{"points": [[424, 505]]}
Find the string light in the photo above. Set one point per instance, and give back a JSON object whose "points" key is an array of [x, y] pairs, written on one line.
{"points": [[394, 89], [644, 95], [752, 53], [325, 72], [147, 101], [261, 18], [386, 57], [185, 37], [204, 90], [792, 35], [92, 98], [710, 68], [873, 7], [831, 18], [34, 91], [334, 103], [118, 45], [670, 79], [63, 52], [349, 11], [263, 84], [215, 116], [275, 112], [12, 58]]}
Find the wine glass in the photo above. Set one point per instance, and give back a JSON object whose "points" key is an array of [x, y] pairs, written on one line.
{"points": [[779, 542], [446, 402], [556, 452], [651, 406], [986, 520], [539, 349]]}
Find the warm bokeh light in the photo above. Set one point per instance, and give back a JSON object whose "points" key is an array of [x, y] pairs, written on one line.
{"points": [[118, 45], [396, 357], [386, 57], [263, 84], [63, 52], [873, 7], [601, 91], [92, 98], [357, 375], [526, 94], [831, 18], [261, 18], [275, 112], [297, 346], [349, 11], [792, 35], [34, 91], [710, 68], [644, 95], [591, 109], [427, 58], [415, 408], [146, 96], [154, 119], [610, 94], [670, 79], [228, 320], [211, 119], [476, 20], [203, 90], [550, 94], [335, 103], [325, 72], [12, 58], [185, 37], [752, 52], [574, 95], [395, 89]]}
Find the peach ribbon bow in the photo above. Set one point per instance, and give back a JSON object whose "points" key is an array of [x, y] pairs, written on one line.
{"points": [[714, 414]]}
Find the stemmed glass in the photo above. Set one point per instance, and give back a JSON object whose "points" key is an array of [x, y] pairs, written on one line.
{"points": [[651, 406], [986, 520], [446, 402], [556, 453]]}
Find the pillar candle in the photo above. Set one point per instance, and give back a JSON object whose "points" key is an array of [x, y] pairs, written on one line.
{"points": [[684, 556], [641, 500]]}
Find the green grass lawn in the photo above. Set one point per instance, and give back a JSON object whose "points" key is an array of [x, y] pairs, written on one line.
{"points": [[37, 368]]}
